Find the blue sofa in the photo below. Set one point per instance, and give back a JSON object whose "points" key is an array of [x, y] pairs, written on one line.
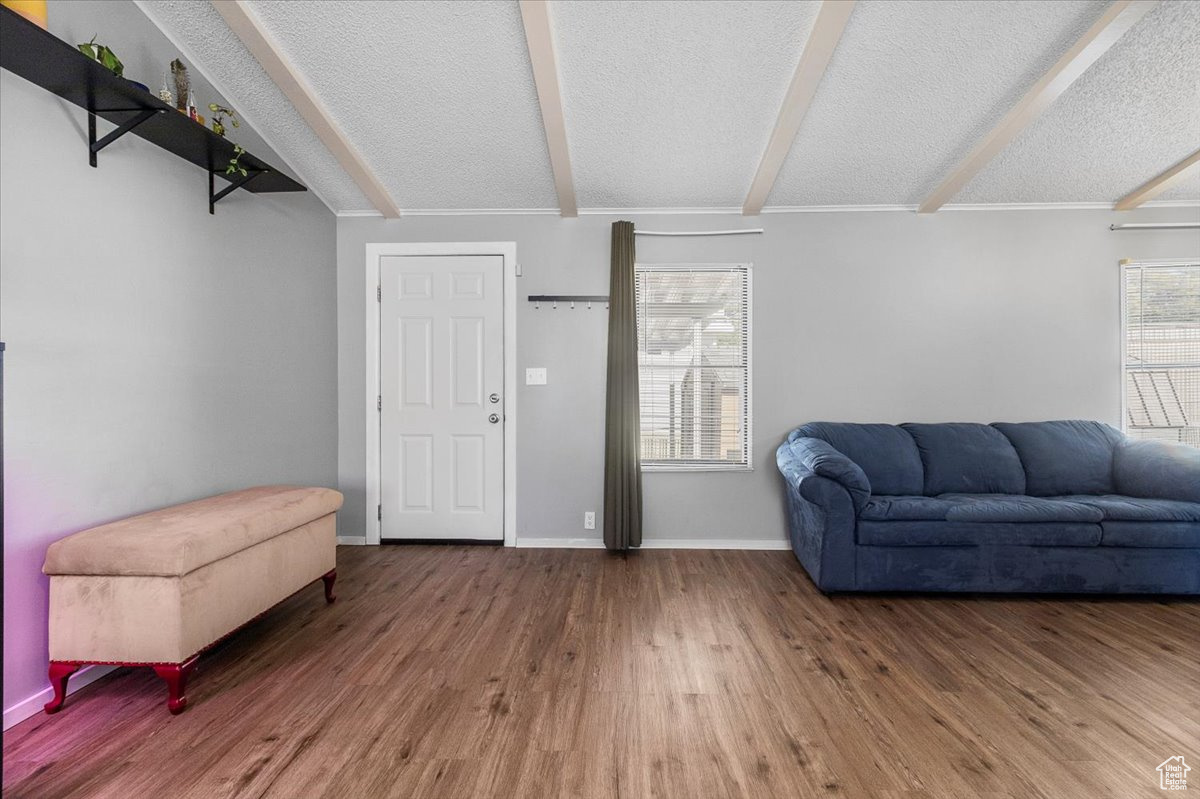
{"points": [[1066, 507]]}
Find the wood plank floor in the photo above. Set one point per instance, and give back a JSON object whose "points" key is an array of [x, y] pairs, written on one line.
{"points": [[473, 671]]}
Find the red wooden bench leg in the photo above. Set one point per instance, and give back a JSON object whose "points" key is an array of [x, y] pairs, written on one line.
{"points": [[328, 579], [60, 672], [176, 676]]}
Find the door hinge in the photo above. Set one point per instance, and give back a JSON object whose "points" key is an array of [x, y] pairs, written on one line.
{"points": [[379, 294], [379, 403], [379, 512]]}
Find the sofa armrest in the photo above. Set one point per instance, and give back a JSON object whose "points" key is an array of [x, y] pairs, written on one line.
{"points": [[821, 522], [1157, 469], [819, 457]]}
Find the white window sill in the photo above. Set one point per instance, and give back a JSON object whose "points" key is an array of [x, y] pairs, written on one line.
{"points": [[698, 468]]}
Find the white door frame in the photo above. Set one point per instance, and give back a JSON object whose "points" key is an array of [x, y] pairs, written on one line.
{"points": [[506, 249]]}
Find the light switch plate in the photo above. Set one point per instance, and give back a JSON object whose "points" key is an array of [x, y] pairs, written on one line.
{"points": [[535, 376]]}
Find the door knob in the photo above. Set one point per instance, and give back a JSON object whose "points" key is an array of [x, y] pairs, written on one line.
{"points": [[494, 398], [493, 418]]}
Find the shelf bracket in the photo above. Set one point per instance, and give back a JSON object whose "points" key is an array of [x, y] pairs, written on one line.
{"points": [[96, 145], [237, 184]]}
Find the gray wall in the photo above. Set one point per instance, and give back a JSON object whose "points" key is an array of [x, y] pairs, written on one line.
{"points": [[858, 316], [156, 354]]}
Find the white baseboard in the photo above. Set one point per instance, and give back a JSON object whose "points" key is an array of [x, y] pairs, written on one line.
{"points": [[658, 543], [560, 543], [352, 540], [33, 705], [715, 543]]}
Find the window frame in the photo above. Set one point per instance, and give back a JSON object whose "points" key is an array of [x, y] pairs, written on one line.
{"points": [[747, 465], [1123, 328]]}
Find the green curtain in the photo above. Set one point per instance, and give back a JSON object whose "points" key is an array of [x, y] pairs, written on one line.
{"points": [[622, 417]]}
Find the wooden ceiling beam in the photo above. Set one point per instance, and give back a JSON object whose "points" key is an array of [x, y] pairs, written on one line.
{"points": [[1111, 26], [535, 16], [1158, 184], [262, 45], [822, 41]]}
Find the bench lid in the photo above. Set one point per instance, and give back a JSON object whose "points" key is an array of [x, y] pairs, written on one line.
{"points": [[182, 538]]}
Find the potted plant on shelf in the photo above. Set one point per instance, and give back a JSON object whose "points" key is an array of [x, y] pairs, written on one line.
{"points": [[104, 54], [218, 121], [235, 167]]}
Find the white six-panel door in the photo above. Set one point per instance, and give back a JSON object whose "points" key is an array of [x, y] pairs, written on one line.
{"points": [[441, 404]]}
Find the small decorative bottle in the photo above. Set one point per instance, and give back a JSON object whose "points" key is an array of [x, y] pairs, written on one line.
{"points": [[164, 93], [193, 114]]}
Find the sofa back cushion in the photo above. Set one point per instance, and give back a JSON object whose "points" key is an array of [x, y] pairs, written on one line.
{"points": [[961, 458], [885, 452], [1064, 457]]}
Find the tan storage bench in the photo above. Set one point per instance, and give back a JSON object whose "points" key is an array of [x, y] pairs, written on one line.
{"points": [[158, 589]]}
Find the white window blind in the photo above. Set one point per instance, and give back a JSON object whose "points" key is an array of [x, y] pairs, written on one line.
{"points": [[694, 365], [1162, 351]]}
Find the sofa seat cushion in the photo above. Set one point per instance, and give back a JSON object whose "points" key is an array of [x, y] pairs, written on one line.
{"points": [[1151, 535], [175, 541], [1017, 509], [880, 508], [1064, 457], [957, 534], [885, 452], [1135, 509], [967, 459]]}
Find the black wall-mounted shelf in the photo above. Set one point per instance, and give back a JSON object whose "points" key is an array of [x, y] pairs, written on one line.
{"points": [[56, 66]]}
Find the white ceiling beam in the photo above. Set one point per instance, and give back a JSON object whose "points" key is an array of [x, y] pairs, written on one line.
{"points": [[1112, 25], [535, 16], [1158, 184], [824, 38], [246, 25]]}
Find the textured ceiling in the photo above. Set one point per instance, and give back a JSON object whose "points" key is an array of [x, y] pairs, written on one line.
{"points": [[670, 104], [912, 86], [1132, 115], [439, 97], [199, 30]]}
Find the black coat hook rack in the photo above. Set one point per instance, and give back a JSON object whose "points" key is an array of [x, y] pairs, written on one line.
{"points": [[555, 299]]}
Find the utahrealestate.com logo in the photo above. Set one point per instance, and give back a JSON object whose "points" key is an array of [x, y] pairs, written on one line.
{"points": [[1172, 774]]}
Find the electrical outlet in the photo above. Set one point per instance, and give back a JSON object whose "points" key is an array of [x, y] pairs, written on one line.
{"points": [[589, 520], [535, 376]]}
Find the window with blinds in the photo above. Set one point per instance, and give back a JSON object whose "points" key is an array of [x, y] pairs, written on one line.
{"points": [[694, 365], [1162, 351]]}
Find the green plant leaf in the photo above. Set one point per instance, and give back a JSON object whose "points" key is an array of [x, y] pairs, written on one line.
{"points": [[88, 50], [109, 59]]}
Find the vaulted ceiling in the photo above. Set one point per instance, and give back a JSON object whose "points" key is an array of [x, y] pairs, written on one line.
{"points": [[672, 103]]}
